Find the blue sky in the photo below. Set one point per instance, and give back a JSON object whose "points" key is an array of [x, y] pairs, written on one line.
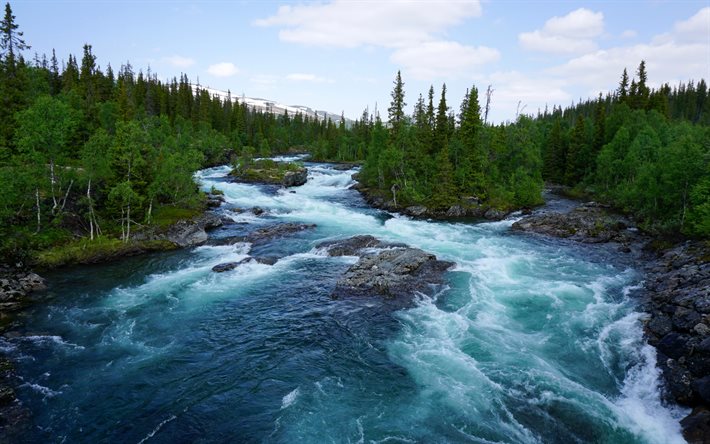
{"points": [[343, 55]]}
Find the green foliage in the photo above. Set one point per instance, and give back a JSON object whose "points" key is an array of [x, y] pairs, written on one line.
{"points": [[85, 251], [699, 215], [167, 215], [88, 151]]}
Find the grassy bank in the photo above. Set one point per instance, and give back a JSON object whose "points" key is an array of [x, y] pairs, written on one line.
{"points": [[101, 249]]}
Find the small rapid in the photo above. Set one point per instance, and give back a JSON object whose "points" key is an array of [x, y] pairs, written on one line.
{"points": [[530, 340]]}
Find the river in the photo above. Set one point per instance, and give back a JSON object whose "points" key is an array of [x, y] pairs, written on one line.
{"points": [[531, 340]]}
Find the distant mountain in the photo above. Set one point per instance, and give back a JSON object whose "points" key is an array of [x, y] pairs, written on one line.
{"points": [[272, 106]]}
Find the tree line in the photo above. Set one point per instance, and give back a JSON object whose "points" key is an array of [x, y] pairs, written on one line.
{"points": [[646, 151], [86, 151]]}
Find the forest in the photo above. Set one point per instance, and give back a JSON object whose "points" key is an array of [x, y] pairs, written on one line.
{"points": [[90, 153]]}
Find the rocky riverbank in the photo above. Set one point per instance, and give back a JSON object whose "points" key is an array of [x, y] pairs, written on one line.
{"points": [[676, 296], [590, 223], [678, 301], [16, 284]]}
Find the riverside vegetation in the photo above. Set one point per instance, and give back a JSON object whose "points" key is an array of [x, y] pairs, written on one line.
{"points": [[89, 153]]}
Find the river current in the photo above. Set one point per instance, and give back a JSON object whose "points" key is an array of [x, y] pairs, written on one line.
{"points": [[531, 340]]}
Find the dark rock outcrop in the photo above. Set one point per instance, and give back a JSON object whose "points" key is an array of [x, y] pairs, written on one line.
{"points": [[15, 285], [188, 233], [678, 302], [214, 200], [184, 233], [397, 272], [589, 223], [295, 178], [696, 426]]}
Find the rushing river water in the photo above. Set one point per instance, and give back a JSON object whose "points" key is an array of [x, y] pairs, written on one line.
{"points": [[532, 340]]}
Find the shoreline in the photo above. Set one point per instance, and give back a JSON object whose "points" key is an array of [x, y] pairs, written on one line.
{"points": [[675, 296]]}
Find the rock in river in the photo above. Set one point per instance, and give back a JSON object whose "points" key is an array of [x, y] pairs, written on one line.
{"points": [[295, 178], [397, 272]]}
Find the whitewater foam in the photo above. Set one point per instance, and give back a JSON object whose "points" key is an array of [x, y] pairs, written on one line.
{"points": [[289, 399]]}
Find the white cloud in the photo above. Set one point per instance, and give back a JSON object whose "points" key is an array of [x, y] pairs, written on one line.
{"points": [[573, 33], [348, 24], [665, 62], [629, 34], [538, 41], [679, 55], [442, 59], [581, 23], [695, 29], [179, 61], [412, 29], [224, 69], [303, 77]]}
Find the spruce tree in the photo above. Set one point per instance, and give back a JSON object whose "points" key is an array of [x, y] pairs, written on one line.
{"points": [[623, 90], [396, 109], [642, 91], [441, 128], [10, 38]]}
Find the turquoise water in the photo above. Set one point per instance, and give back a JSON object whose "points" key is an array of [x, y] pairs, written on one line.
{"points": [[531, 340]]}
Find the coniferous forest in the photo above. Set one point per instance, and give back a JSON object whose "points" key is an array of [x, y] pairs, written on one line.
{"points": [[91, 152]]}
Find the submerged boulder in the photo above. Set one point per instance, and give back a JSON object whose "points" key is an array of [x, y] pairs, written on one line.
{"points": [[278, 230], [228, 266], [188, 233], [265, 234]]}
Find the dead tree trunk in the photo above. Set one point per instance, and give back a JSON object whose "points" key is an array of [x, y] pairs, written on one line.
{"points": [[39, 217]]}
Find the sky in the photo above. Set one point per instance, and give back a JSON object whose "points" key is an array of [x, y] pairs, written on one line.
{"points": [[343, 55]]}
